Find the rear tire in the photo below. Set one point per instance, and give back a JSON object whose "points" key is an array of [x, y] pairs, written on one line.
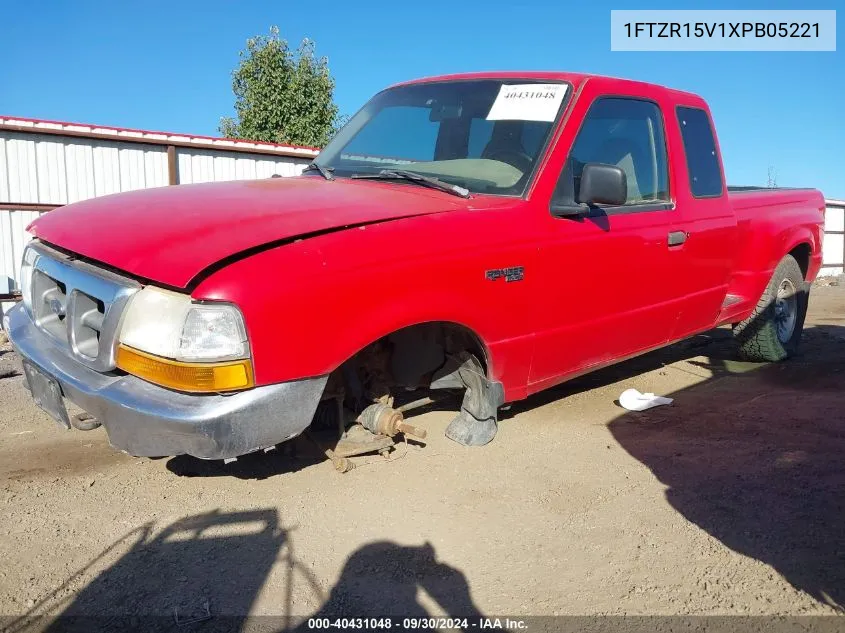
{"points": [[773, 331]]}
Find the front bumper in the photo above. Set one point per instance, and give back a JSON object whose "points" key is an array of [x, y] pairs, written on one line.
{"points": [[147, 420]]}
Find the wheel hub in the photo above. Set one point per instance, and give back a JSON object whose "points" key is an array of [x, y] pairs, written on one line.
{"points": [[786, 310]]}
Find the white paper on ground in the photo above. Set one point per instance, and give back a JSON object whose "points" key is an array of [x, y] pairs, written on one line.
{"points": [[633, 400], [527, 102]]}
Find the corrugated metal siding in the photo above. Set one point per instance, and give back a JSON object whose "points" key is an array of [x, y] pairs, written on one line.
{"points": [[21, 180], [50, 164], [46, 169], [13, 238], [212, 165], [834, 238]]}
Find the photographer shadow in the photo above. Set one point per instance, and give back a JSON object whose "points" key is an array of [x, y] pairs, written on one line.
{"points": [[384, 579], [205, 572]]}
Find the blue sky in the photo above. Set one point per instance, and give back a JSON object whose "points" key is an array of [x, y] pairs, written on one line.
{"points": [[167, 66]]}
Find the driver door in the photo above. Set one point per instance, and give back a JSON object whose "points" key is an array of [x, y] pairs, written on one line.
{"points": [[608, 276]]}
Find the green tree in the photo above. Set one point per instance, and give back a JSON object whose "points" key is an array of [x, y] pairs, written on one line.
{"points": [[282, 96]]}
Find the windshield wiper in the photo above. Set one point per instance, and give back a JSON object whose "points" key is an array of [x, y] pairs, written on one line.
{"points": [[325, 172], [412, 176]]}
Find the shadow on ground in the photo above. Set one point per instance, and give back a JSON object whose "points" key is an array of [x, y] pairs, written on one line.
{"points": [[285, 458], [717, 344], [291, 456], [383, 579], [757, 459], [205, 572], [301, 453], [165, 579]]}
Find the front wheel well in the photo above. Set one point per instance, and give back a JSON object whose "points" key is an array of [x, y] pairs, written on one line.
{"points": [[802, 254], [410, 369], [406, 359]]}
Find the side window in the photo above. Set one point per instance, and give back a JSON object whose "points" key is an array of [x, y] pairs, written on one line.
{"points": [[378, 139], [705, 175], [627, 133]]}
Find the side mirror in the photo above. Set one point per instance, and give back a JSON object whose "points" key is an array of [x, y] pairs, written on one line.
{"points": [[569, 210], [603, 184]]}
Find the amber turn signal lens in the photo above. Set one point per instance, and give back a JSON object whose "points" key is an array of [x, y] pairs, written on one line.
{"points": [[194, 377]]}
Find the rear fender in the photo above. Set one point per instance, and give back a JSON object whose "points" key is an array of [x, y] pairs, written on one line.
{"points": [[762, 256]]}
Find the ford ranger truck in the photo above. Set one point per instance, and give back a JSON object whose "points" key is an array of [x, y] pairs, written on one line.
{"points": [[498, 233]]}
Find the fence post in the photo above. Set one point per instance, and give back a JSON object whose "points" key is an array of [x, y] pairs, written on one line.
{"points": [[172, 166]]}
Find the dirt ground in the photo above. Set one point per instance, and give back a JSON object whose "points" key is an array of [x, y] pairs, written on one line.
{"points": [[730, 501]]}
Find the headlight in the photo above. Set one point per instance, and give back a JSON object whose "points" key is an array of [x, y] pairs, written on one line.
{"points": [[168, 324], [27, 268], [167, 339]]}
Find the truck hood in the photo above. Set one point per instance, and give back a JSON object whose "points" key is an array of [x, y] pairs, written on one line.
{"points": [[171, 234]]}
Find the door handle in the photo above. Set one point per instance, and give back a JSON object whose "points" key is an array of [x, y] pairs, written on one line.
{"points": [[676, 238]]}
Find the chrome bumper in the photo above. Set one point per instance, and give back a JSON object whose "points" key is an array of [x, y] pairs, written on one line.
{"points": [[146, 420]]}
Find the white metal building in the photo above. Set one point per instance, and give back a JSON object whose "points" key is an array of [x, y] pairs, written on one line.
{"points": [[834, 238], [46, 164]]}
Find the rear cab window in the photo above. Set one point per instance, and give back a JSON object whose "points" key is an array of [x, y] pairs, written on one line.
{"points": [[705, 172]]}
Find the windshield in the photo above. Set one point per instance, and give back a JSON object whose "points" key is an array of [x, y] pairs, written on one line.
{"points": [[483, 135]]}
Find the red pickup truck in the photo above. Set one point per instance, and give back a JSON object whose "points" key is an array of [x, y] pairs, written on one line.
{"points": [[498, 233]]}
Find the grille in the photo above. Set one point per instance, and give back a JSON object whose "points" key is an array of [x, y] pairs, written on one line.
{"points": [[79, 305]]}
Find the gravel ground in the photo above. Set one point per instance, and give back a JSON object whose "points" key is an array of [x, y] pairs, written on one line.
{"points": [[727, 502]]}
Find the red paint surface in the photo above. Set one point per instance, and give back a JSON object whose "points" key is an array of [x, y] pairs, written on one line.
{"points": [[593, 293]]}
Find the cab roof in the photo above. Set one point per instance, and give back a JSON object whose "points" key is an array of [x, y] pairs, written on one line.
{"points": [[576, 79]]}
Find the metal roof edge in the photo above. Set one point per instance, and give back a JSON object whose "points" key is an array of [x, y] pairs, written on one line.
{"points": [[131, 135]]}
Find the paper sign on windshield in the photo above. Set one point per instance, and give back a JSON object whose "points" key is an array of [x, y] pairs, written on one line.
{"points": [[527, 102]]}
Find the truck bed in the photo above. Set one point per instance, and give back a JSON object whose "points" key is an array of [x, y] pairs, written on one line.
{"points": [[782, 202], [749, 188]]}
